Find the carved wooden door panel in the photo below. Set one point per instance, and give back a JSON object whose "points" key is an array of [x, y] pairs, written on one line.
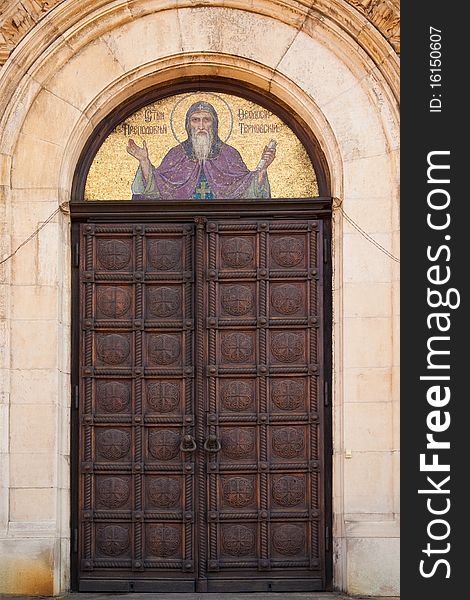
{"points": [[264, 391], [201, 418], [136, 488]]}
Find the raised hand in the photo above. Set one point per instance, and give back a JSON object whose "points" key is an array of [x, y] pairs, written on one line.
{"points": [[137, 152]]}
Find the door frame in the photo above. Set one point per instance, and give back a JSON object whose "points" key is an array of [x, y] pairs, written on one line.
{"points": [[186, 211]]}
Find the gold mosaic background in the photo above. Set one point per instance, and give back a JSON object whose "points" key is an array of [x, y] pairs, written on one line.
{"points": [[248, 127]]}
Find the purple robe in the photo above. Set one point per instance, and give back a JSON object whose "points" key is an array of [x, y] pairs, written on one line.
{"points": [[177, 176]]}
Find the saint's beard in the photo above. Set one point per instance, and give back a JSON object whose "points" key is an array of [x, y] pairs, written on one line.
{"points": [[202, 143]]}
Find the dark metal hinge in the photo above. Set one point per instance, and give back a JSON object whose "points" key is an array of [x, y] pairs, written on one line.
{"points": [[75, 540], [76, 254], [327, 539], [326, 393], [76, 397]]}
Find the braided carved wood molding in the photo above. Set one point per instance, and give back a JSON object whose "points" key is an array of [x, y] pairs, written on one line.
{"points": [[18, 17]]}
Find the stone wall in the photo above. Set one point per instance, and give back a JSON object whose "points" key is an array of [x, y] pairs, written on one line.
{"points": [[77, 63]]}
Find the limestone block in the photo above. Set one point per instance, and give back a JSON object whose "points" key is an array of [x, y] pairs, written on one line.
{"points": [[370, 177], [32, 504], [81, 79], [373, 215], [368, 426], [144, 40], [36, 163], [27, 566], [4, 343], [396, 482], [367, 384], [373, 566], [48, 254], [30, 386], [5, 168], [24, 264], [367, 342], [4, 425], [396, 339], [227, 30], [32, 428], [313, 66], [50, 118], [35, 345], [32, 470], [31, 205], [368, 483], [34, 302], [27, 218], [362, 261], [367, 299]]}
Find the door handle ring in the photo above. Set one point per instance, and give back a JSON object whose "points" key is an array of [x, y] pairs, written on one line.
{"points": [[188, 444], [212, 444]]}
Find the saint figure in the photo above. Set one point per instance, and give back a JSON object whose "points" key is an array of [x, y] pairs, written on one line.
{"points": [[201, 167]]}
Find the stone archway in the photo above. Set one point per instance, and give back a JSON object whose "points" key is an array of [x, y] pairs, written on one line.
{"points": [[73, 67]]}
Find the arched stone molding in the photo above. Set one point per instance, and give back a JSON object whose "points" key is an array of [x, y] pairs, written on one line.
{"points": [[18, 17], [81, 61]]}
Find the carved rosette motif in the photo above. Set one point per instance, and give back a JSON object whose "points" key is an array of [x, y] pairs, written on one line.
{"points": [[112, 540], [286, 299], [238, 443], [237, 252], [287, 251], [163, 492], [113, 492], [164, 444], [237, 396], [288, 490], [112, 349], [163, 349], [288, 394], [238, 492], [113, 255], [114, 302], [164, 255], [163, 396], [288, 539], [237, 300], [113, 396], [237, 347], [113, 444], [163, 540], [238, 540], [287, 347], [163, 301], [288, 442]]}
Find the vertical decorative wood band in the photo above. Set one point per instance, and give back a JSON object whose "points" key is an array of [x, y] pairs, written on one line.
{"points": [[201, 409], [264, 539], [262, 383], [313, 393], [187, 317], [189, 408], [313, 291], [314, 489], [213, 526], [188, 528], [315, 539], [264, 507], [88, 539]]}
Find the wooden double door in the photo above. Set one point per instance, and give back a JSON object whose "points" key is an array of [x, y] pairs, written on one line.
{"points": [[201, 407]]}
